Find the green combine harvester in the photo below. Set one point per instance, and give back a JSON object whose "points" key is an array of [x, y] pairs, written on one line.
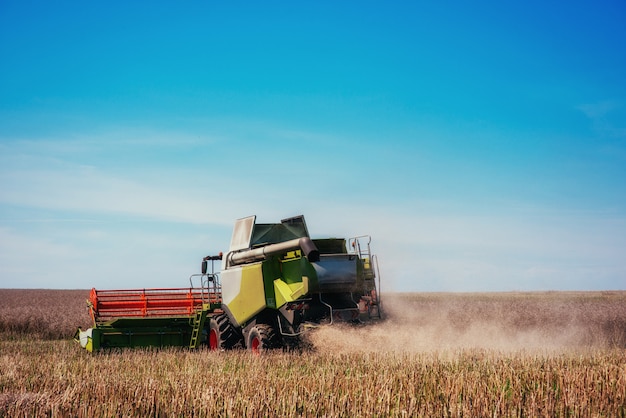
{"points": [[275, 284]]}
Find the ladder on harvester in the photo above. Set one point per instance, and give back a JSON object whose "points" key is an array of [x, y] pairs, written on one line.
{"points": [[375, 306], [196, 323], [210, 291], [361, 247]]}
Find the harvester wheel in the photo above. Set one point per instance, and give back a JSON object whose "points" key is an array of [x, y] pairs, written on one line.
{"points": [[262, 337], [222, 334]]}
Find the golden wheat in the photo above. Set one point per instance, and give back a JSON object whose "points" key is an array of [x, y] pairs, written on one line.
{"points": [[56, 378], [389, 369], [45, 314]]}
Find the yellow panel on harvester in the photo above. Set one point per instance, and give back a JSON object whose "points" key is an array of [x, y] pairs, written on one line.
{"points": [[290, 292], [249, 296]]}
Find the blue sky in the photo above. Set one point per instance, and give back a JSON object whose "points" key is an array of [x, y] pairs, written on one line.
{"points": [[482, 144]]}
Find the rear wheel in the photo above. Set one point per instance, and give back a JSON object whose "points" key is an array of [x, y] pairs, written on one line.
{"points": [[222, 334], [262, 337]]}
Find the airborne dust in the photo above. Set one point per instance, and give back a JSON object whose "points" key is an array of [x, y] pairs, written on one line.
{"points": [[542, 321], [413, 323]]}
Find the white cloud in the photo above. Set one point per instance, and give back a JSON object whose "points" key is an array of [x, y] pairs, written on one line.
{"points": [[106, 255], [498, 251], [607, 117], [124, 227], [32, 262], [421, 252], [85, 189]]}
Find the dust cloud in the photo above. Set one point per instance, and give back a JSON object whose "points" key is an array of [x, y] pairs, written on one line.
{"points": [[542, 321]]}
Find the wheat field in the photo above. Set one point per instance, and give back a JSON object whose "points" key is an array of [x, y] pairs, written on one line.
{"points": [[501, 354]]}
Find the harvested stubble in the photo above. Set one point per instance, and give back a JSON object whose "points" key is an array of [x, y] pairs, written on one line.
{"points": [[55, 378], [552, 354]]}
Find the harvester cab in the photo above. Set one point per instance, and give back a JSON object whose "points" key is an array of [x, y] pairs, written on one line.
{"points": [[275, 283]]}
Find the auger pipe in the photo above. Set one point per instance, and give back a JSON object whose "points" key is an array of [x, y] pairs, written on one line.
{"points": [[248, 256]]}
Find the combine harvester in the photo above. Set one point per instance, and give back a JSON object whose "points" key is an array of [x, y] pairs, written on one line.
{"points": [[275, 284]]}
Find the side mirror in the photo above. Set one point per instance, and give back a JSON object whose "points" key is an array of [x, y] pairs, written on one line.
{"points": [[204, 266]]}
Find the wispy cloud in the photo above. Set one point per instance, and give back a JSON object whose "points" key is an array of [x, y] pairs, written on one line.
{"points": [[67, 175], [87, 190], [608, 118], [141, 225]]}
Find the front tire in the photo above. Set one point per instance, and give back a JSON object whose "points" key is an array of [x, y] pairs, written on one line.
{"points": [[262, 337], [222, 334]]}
